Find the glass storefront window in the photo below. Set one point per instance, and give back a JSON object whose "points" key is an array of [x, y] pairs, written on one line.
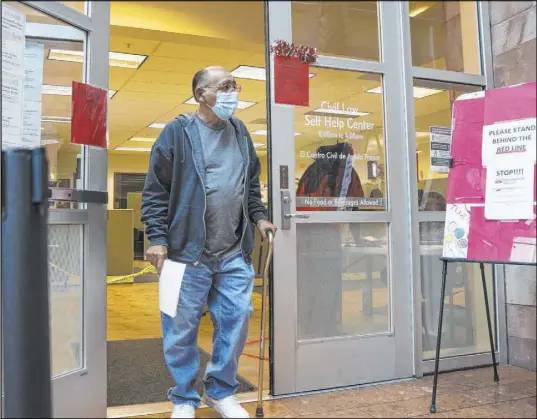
{"points": [[339, 143], [343, 281], [445, 35], [465, 329], [338, 28], [433, 103]]}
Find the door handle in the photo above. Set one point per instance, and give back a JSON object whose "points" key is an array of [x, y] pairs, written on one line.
{"points": [[301, 216]]}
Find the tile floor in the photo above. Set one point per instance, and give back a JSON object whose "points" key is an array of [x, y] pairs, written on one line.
{"points": [[465, 394]]}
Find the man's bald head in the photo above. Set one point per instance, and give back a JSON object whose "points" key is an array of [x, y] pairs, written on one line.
{"points": [[207, 77]]}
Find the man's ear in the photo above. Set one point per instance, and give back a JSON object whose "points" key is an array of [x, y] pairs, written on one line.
{"points": [[199, 95]]}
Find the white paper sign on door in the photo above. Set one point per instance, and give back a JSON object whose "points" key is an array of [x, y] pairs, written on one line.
{"points": [[509, 189], [509, 139], [440, 149], [34, 55], [13, 40]]}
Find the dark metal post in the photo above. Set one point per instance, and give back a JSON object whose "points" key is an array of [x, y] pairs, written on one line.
{"points": [[439, 335], [487, 309], [25, 304]]}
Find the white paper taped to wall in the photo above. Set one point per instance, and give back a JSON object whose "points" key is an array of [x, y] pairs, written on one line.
{"points": [[170, 282]]}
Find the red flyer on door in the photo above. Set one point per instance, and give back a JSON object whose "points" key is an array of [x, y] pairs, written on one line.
{"points": [[291, 81], [89, 108]]}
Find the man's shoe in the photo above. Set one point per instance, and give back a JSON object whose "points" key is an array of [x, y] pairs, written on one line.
{"points": [[183, 411], [228, 407]]}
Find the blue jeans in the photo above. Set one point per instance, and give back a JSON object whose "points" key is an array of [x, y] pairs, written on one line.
{"points": [[226, 286]]}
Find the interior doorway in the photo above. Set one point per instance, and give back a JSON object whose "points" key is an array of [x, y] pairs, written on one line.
{"points": [[155, 50]]}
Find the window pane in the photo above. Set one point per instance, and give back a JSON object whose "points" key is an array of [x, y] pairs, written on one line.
{"points": [[125, 186], [338, 28], [343, 281], [51, 66], [445, 36], [465, 329], [79, 6], [66, 286], [339, 143], [433, 103]]}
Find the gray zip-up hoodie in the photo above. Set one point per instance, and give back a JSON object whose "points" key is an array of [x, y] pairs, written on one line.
{"points": [[174, 200]]}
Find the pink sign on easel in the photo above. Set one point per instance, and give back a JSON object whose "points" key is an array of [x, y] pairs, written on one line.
{"points": [[491, 125]]}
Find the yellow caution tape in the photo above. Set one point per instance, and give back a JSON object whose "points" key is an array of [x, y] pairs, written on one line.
{"points": [[125, 278], [112, 279]]}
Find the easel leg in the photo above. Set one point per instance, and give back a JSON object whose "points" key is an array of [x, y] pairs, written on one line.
{"points": [[439, 336], [487, 309]]}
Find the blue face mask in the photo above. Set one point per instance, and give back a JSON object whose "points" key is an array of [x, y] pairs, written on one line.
{"points": [[225, 106]]}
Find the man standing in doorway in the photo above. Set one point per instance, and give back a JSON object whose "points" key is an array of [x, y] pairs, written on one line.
{"points": [[200, 202]]}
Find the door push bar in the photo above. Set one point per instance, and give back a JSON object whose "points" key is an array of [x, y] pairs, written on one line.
{"points": [[287, 216], [77, 195]]}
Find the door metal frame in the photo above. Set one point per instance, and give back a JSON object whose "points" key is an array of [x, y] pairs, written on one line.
{"points": [[486, 81], [90, 397], [398, 183], [399, 73]]}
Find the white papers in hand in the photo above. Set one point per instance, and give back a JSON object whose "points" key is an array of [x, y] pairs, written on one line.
{"points": [[170, 281]]}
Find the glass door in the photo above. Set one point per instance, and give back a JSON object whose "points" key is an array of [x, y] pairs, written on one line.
{"points": [[340, 193], [66, 42]]}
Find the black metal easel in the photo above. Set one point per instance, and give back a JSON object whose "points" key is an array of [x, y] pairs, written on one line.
{"points": [[441, 318]]}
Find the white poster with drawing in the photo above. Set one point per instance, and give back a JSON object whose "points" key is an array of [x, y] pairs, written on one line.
{"points": [[456, 231]]}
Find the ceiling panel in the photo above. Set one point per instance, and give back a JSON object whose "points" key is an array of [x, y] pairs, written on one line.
{"points": [[141, 98], [177, 65], [164, 77], [130, 45], [195, 52], [119, 76], [156, 87]]}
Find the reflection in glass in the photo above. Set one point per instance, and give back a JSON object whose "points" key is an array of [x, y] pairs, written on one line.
{"points": [[66, 292], [465, 329], [338, 28], [339, 143], [343, 285], [444, 35], [433, 106], [48, 94]]}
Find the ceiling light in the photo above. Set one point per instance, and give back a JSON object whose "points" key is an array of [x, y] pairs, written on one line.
{"points": [[49, 142], [338, 112], [421, 92], [418, 92], [418, 11], [158, 125], [56, 119], [259, 145], [264, 132], [118, 59], [48, 89], [142, 139], [253, 73], [133, 149], [115, 59], [242, 104]]}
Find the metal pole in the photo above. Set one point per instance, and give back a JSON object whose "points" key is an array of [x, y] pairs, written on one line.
{"points": [[259, 411], [25, 305], [439, 336], [487, 309]]}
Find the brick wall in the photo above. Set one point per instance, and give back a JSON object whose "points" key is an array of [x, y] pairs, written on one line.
{"points": [[513, 39]]}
